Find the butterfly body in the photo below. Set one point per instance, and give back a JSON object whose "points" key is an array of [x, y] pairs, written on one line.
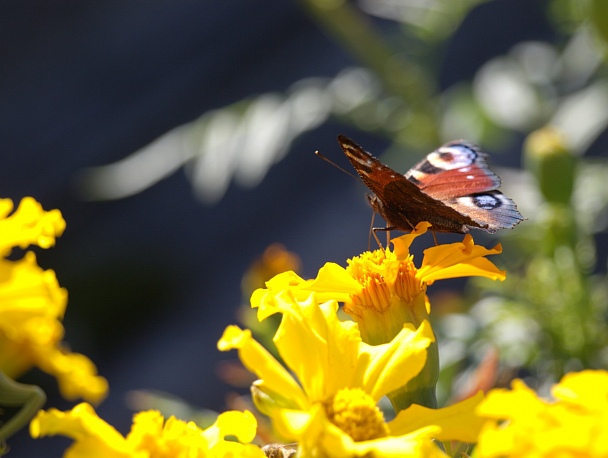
{"points": [[452, 188]]}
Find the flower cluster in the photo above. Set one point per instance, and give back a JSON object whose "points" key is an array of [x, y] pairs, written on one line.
{"points": [[522, 425], [325, 394], [341, 369], [32, 305], [150, 435]]}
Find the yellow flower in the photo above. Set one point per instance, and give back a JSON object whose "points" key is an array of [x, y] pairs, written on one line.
{"points": [[522, 425], [383, 289], [32, 305], [150, 436], [28, 225], [330, 406]]}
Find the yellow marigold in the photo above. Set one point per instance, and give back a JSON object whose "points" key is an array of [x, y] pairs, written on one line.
{"points": [[32, 305], [326, 399], [383, 289], [521, 425], [150, 436]]}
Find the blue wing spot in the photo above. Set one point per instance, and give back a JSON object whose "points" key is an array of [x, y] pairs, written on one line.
{"points": [[486, 201]]}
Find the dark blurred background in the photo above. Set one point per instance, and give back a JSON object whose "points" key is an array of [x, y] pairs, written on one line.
{"points": [[154, 278]]}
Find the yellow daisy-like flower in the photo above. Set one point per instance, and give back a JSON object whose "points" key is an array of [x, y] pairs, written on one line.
{"points": [[150, 436], [522, 425], [32, 304], [330, 406], [383, 289]]}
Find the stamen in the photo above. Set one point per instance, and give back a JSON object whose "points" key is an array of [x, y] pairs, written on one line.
{"points": [[356, 413]]}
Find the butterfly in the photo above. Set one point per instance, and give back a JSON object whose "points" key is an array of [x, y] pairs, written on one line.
{"points": [[452, 188]]}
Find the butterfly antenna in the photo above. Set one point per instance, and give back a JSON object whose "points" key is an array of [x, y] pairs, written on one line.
{"points": [[336, 165]]}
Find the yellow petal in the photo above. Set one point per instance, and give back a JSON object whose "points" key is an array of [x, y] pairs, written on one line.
{"points": [[334, 283], [587, 389], [402, 244], [93, 436], [259, 361], [505, 404], [457, 422], [241, 425], [391, 365], [319, 348], [75, 373], [300, 426], [28, 291], [458, 259], [415, 444], [28, 225]]}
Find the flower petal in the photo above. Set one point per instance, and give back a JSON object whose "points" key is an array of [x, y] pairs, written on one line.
{"points": [[405, 355], [457, 422], [31, 306], [258, 360], [333, 282], [241, 425], [416, 444], [503, 404], [28, 225], [319, 348], [574, 388], [402, 244], [94, 437], [75, 373], [457, 260]]}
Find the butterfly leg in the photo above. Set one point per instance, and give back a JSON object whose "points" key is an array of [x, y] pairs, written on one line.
{"points": [[383, 229], [371, 231], [435, 238]]}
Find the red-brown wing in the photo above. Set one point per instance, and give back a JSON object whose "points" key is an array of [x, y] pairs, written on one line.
{"points": [[400, 202], [455, 169]]}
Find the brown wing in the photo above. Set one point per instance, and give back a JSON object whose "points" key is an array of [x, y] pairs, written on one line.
{"points": [[400, 201]]}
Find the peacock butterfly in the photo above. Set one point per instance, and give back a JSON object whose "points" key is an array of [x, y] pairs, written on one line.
{"points": [[452, 188]]}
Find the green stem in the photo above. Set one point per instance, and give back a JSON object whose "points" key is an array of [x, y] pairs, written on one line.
{"points": [[30, 397]]}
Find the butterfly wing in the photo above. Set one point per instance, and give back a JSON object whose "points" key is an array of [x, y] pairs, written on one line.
{"points": [[457, 174], [455, 169], [377, 176], [400, 201]]}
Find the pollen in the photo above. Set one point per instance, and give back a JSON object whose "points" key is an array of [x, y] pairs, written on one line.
{"points": [[356, 413]]}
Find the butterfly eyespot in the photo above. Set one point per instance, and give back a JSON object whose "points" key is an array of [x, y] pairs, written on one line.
{"points": [[486, 202], [452, 157]]}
